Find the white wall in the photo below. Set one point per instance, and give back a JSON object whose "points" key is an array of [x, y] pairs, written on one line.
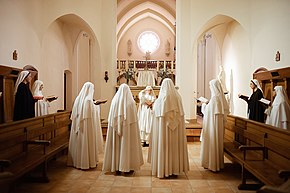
{"points": [[237, 65], [108, 53], [29, 27], [18, 19], [186, 61], [54, 60], [100, 18], [261, 28], [270, 29]]}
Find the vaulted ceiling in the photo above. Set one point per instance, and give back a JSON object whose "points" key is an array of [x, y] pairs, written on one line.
{"points": [[131, 12]]}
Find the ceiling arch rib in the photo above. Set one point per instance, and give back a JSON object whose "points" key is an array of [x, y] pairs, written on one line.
{"points": [[77, 22], [125, 6], [141, 15], [213, 22], [141, 9]]}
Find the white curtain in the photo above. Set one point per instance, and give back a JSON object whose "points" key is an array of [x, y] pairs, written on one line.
{"points": [[83, 60], [209, 60], [200, 68]]}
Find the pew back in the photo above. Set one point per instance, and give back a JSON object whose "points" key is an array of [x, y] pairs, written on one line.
{"points": [[29, 143], [12, 141], [261, 149]]}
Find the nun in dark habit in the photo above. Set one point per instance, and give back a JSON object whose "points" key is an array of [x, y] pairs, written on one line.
{"points": [[256, 108], [24, 103]]}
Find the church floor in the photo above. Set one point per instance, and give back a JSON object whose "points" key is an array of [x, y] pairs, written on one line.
{"points": [[198, 180]]}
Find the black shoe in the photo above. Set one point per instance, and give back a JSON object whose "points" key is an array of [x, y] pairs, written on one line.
{"points": [[118, 173], [130, 173], [145, 145]]}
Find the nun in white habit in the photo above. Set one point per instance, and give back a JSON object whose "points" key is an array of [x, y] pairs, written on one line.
{"points": [[123, 151], [168, 148], [212, 137], [86, 140], [145, 113], [280, 110], [41, 105]]}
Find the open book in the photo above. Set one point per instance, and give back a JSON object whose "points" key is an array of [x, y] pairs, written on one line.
{"points": [[51, 98], [101, 101], [265, 101], [202, 99]]}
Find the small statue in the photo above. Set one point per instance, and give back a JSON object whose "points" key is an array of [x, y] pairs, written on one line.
{"points": [[106, 76], [167, 48], [129, 47], [277, 56], [15, 55], [147, 56]]}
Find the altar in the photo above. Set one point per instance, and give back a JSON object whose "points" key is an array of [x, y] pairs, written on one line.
{"points": [[146, 78]]}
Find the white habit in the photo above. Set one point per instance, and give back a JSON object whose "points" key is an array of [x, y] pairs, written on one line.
{"points": [[86, 139], [280, 110], [41, 105], [212, 137], [168, 148], [145, 112], [123, 151]]}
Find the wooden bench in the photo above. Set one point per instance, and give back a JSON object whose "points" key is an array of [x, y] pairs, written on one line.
{"points": [[260, 149], [284, 188], [27, 144]]}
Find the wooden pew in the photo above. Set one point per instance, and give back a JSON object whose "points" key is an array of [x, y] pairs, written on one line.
{"points": [[8, 77], [27, 144], [260, 149], [284, 188]]}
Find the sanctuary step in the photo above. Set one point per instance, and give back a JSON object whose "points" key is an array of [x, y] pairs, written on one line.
{"points": [[193, 129]]}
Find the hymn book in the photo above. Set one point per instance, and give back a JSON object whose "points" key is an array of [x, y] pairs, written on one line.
{"points": [[51, 98], [98, 102], [265, 101], [202, 99]]}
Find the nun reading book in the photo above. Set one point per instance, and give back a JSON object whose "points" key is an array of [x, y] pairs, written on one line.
{"points": [[256, 108], [42, 104]]}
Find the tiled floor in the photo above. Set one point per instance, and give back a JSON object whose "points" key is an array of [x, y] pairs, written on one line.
{"points": [[198, 180]]}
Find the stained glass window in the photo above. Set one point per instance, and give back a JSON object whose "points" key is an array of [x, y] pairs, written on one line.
{"points": [[148, 41]]}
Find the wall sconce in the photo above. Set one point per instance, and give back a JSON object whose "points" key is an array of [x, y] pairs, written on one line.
{"points": [[277, 58], [106, 76]]}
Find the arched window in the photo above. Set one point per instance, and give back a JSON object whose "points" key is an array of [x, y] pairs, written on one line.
{"points": [[148, 41]]}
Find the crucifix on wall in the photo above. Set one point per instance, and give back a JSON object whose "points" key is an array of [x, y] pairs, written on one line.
{"points": [[147, 55]]}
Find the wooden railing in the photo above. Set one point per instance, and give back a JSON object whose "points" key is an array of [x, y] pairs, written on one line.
{"points": [[130, 70], [141, 64]]}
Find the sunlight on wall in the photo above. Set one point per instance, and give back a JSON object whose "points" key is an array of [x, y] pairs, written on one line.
{"points": [[236, 60], [230, 61]]}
